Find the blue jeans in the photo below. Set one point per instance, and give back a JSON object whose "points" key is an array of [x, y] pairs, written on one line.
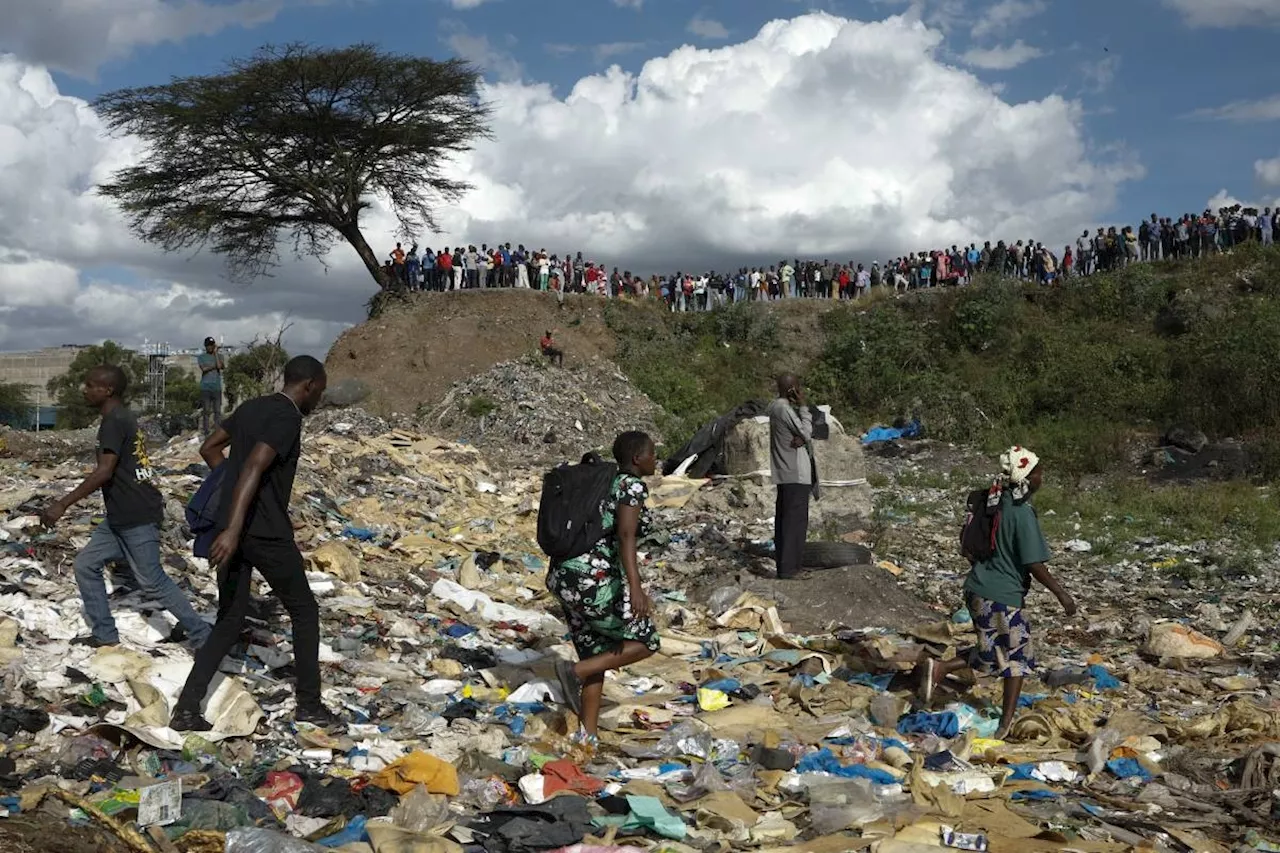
{"points": [[141, 547]]}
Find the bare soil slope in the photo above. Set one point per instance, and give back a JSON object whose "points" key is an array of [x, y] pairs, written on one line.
{"points": [[411, 356]]}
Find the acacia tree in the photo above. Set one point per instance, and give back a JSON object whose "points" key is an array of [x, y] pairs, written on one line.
{"points": [[292, 144]]}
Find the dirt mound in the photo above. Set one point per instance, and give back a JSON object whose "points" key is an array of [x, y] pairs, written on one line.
{"points": [[529, 412], [413, 355]]}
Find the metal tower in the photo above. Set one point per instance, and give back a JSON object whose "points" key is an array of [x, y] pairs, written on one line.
{"points": [[157, 359]]}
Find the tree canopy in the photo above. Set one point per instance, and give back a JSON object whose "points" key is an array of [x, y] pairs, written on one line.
{"points": [[16, 403], [73, 411], [253, 372], [292, 144]]}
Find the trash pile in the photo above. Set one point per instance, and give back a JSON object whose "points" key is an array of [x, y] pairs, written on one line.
{"points": [[529, 413], [439, 646]]}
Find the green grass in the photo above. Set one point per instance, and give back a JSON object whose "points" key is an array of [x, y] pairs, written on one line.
{"points": [[1130, 508], [480, 406]]}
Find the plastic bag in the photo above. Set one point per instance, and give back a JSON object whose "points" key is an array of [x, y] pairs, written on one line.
{"points": [[420, 811], [723, 598], [256, 840], [686, 739]]}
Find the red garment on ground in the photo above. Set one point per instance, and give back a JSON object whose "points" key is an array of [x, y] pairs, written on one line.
{"points": [[564, 775]]}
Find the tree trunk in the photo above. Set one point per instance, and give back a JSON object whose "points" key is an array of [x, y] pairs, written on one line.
{"points": [[355, 237]]}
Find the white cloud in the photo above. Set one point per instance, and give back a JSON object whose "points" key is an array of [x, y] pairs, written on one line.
{"points": [[1100, 74], [1268, 171], [1263, 109], [999, 18], [77, 36], [1227, 13], [478, 50], [673, 166], [668, 167], [628, 4], [60, 241], [1002, 58], [1223, 198], [945, 15], [707, 28], [466, 4]]}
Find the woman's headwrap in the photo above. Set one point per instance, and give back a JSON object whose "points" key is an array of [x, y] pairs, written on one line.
{"points": [[1016, 465]]}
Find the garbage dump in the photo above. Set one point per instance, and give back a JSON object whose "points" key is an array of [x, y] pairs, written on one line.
{"points": [[439, 643]]}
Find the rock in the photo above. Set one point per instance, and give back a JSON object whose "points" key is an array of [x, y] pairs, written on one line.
{"points": [[1171, 640], [1185, 438], [337, 560], [346, 392]]}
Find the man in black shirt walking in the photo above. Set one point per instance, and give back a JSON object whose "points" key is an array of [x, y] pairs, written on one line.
{"points": [[135, 509], [265, 437]]}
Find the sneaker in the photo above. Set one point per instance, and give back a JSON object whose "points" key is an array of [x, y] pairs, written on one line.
{"points": [[94, 642], [581, 738], [571, 685], [189, 721], [320, 717]]}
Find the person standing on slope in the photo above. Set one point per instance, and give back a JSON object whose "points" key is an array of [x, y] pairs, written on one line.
{"points": [[791, 464]]}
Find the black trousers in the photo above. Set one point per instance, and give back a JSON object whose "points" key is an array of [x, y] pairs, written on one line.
{"points": [[791, 527], [281, 566]]}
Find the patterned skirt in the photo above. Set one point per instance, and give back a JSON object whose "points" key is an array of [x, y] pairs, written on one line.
{"points": [[597, 607], [1004, 640]]}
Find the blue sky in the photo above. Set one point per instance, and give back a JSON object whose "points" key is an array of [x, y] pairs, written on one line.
{"points": [[656, 135]]}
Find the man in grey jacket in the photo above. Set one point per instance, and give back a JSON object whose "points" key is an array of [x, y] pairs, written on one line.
{"points": [[791, 463]]}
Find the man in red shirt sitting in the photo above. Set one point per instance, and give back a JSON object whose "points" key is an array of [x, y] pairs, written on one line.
{"points": [[550, 350]]}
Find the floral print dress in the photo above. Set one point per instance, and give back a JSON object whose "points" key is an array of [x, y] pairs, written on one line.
{"points": [[593, 588]]}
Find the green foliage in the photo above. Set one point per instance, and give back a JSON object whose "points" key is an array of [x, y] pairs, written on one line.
{"points": [[73, 412], [253, 373], [480, 406], [696, 365], [1081, 372], [288, 146], [17, 403], [1084, 372], [181, 391]]}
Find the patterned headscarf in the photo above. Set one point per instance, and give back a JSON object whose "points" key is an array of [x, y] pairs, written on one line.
{"points": [[1016, 465]]}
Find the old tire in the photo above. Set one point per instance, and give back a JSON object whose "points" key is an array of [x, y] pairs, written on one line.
{"points": [[833, 555]]}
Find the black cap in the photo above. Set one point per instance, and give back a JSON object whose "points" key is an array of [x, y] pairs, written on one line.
{"points": [[208, 341]]}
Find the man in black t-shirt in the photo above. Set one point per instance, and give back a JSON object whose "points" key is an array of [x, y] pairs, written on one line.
{"points": [[131, 530], [265, 437]]}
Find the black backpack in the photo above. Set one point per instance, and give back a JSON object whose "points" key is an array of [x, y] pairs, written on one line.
{"points": [[569, 518], [981, 523]]}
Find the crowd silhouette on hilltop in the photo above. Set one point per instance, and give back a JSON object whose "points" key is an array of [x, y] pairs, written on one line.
{"points": [[1109, 248]]}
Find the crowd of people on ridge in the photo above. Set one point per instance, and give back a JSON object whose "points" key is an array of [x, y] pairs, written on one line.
{"points": [[1158, 238]]}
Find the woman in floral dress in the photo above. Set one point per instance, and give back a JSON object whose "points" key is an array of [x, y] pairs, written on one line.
{"points": [[603, 599]]}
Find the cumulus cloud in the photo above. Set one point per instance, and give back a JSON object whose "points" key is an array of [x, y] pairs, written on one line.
{"points": [[1263, 109], [1268, 171], [71, 273], [707, 28], [1227, 13], [1000, 17], [1002, 58], [1223, 198], [76, 36], [870, 145], [674, 166]]}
